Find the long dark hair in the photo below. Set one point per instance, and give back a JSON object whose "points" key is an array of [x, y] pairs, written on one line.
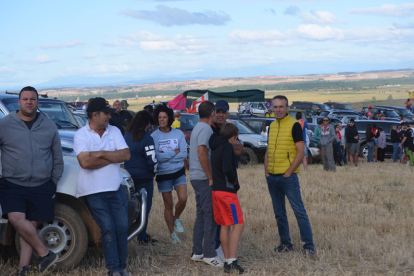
{"points": [[368, 132], [163, 108], [138, 124]]}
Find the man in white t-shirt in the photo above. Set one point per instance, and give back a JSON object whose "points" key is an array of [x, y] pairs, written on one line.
{"points": [[100, 148]]}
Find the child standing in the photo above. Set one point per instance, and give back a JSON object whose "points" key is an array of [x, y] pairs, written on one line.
{"points": [[177, 118], [226, 206]]}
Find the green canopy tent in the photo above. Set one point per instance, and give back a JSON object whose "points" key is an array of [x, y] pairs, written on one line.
{"points": [[252, 95]]}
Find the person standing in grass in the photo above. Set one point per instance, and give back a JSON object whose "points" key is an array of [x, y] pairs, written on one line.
{"points": [[370, 137], [381, 144], [328, 137], [226, 206], [143, 164], [282, 160], [352, 144], [170, 151], [338, 143], [403, 138], [201, 179], [317, 132], [395, 140]]}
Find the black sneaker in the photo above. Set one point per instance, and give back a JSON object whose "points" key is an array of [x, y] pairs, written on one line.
{"points": [[25, 271], [46, 262], [148, 240], [234, 267], [284, 248], [309, 252]]}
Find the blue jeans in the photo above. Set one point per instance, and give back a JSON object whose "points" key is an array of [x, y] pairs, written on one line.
{"points": [[110, 211], [338, 149], [370, 150], [395, 152], [149, 186], [279, 188]]}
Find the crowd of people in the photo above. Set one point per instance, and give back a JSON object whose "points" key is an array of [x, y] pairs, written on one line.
{"points": [[150, 147]]}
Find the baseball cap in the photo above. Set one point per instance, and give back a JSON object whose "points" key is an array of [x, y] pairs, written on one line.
{"points": [[223, 105], [100, 104]]}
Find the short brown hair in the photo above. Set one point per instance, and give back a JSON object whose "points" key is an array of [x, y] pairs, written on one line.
{"points": [[229, 130], [177, 114]]}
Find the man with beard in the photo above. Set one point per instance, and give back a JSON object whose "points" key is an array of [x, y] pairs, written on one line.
{"points": [[32, 165]]}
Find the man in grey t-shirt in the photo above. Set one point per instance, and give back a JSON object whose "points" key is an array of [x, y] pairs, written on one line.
{"points": [[202, 180]]}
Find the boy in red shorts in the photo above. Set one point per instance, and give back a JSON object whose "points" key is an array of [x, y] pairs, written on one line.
{"points": [[226, 206]]}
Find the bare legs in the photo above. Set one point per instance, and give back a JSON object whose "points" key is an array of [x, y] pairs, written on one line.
{"points": [[305, 163], [29, 239], [230, 241], [353, 158], [169, 206]]}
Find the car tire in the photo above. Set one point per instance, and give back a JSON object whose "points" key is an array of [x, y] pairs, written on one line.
{"points": [[363, 152], [248, 157], [66, 235], [310, 158]]}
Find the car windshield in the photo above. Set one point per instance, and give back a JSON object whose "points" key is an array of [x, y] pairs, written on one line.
{"points": [[188, 122], [347, 107], [56, 111], [323, 107], [325, 113], [391, 113], [406, 112], [243, 128]]}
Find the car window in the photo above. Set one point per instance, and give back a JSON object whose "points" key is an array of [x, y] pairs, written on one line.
{"points": [[243, 127], [361, 126], [11, 104], [188, 122], [386, 127], [390, 113], [59, 113], [323, 107], [347, 107], [406, 112], [256, 125], [325, 113], [315, 107]]}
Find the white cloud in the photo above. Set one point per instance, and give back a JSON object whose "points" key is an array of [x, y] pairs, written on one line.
{"points": [[147, 41], [317, 33], [167, 16], [390, 10], [90, 55], [6, 69], [45, 59], [320, 17], [71, 44], [409, 25]]}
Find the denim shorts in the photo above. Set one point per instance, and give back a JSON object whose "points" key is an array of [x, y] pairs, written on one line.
{"points": [[376, 142], [169, 185], [306, 149]]}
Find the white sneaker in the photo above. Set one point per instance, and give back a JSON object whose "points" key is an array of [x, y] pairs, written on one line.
{"points": [[220, 254], [408, 163], [178, 227], [213, 262], [174, 238], [197, 258]]}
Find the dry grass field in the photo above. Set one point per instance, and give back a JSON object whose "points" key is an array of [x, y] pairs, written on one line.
{"points": [[362, 219]]}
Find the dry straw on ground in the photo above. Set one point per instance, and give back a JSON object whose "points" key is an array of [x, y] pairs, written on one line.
{"points": [[362, 220]]}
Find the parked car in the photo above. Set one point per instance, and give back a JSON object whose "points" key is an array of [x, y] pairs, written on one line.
{"points": [[339, 106], [389, 114], [401, 111], [315, 119], [310, 107], [332, 113], [254, 144], [292, 113], [256, 108], [361, 126], [73, 228], [258, 123]]}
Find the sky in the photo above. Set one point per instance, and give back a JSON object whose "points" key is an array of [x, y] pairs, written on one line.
{"points": [[65, 42]]}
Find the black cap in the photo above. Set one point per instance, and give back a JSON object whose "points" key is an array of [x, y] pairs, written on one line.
{"points": [[352, 120], [100, 104], [223, 105]]}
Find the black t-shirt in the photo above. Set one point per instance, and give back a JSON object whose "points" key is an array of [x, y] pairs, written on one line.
{"points": [[401, 134], [120, 120], [216, 128], [409, 134], [296, 133], [30, 124]]}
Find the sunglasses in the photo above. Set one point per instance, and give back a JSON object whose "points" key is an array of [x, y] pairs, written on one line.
{"points": [[326, 120]]}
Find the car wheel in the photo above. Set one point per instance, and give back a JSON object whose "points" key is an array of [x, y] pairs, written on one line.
{"points": [[248, 157], [66, 235], [364, 151], [310, 158]]}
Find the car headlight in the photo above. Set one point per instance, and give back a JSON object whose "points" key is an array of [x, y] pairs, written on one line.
{"points": [[129, 185], [262, 144]]}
